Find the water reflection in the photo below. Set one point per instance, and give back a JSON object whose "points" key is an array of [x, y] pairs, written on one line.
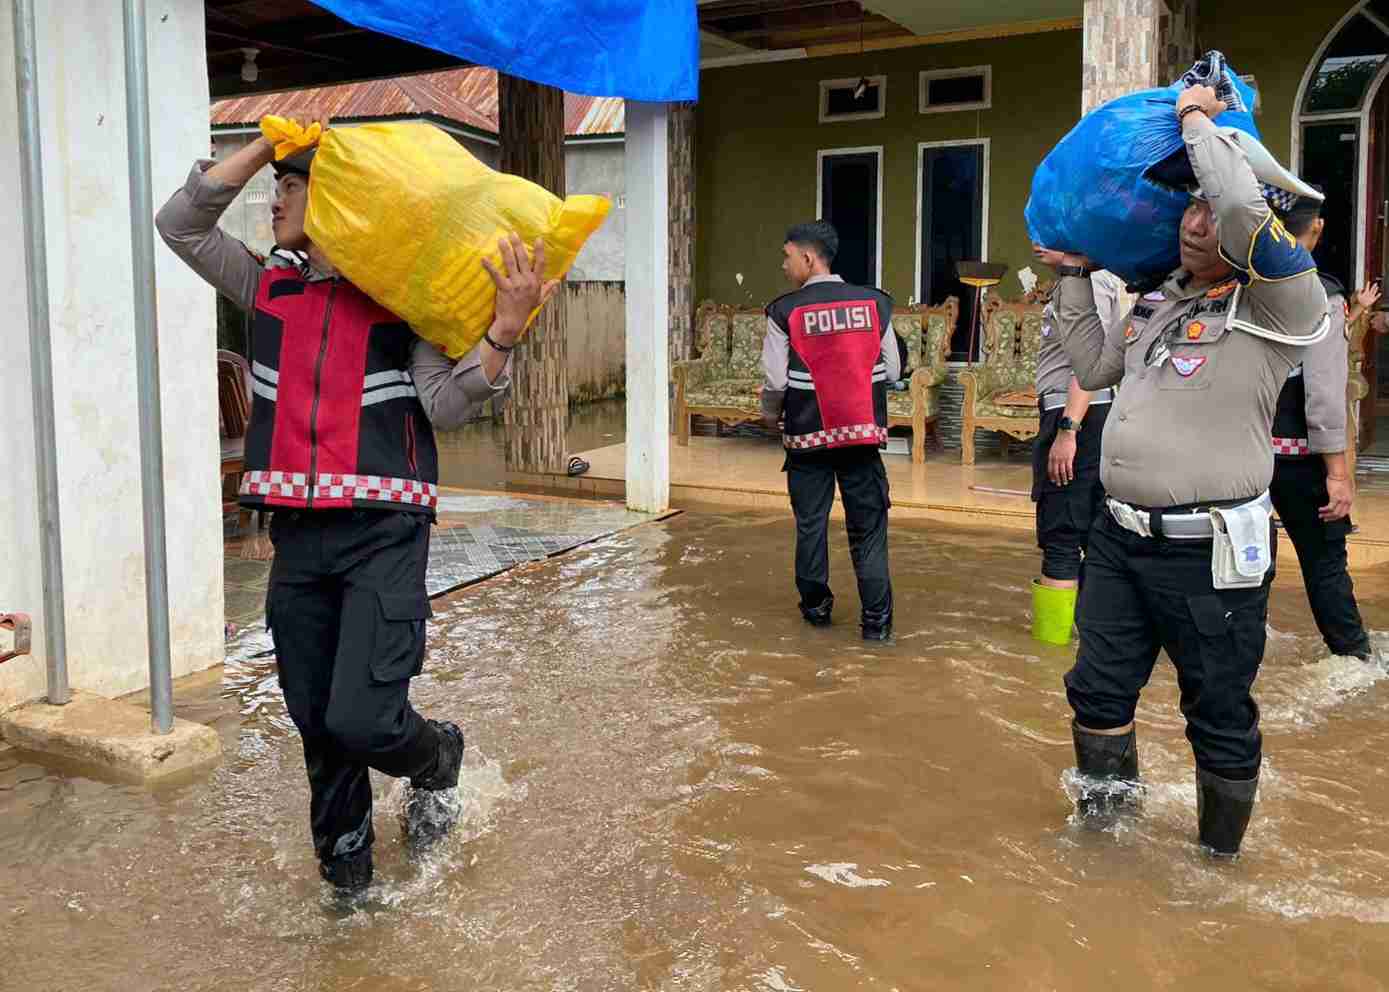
{"points": [[673, 783]]}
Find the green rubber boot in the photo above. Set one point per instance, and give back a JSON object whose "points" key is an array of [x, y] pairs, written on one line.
{"points": [[1053, 613]]}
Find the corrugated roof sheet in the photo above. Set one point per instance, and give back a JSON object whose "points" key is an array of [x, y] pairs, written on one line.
{"points": [[467, 96]]}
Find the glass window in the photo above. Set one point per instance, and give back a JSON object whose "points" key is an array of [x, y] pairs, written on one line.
{"points": [[1348, 67], [841, 100]]}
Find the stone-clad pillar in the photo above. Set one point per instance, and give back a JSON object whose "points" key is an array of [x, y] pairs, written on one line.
{"points": [[1135, 44]]}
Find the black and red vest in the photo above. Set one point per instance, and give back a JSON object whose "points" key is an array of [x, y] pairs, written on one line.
{"points": [[836, 387], [1290, 415], [335, 420]]}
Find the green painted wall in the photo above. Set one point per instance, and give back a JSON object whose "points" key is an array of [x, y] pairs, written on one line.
{"points": [[758, 134], [1276, 44]]}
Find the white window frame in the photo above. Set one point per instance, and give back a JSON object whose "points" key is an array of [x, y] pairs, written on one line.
{"points": [[877, 150], [921, 150], [1361, 118], [843, 84], [926, 75]]}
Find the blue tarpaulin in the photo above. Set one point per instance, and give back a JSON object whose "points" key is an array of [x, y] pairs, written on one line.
{"points": [[636, 49]]}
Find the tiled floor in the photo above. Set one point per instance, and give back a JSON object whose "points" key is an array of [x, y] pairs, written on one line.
{"points": [[478, 535]]}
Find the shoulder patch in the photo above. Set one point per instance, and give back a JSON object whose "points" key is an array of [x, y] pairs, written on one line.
{"points": [[1275, 255]]}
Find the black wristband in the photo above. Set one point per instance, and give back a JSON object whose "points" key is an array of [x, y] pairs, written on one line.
{"points": [[1077, 271], [503, 348], [1181, 114]]}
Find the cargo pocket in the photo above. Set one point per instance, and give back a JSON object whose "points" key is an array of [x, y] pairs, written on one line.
{"points": [[1232, 631], [398, 645], [882, 485]]}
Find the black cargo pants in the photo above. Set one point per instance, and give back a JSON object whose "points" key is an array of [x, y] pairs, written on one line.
{"points": [[1299, 491], [1066, 513], [347, 608], [1144, 594], [810, 480]]}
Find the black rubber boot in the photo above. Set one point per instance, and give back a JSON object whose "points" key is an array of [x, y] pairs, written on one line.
{"points": [[1110, 764], [1223, 808], [819, 616], [431, 807], [348, 874], [877, 624]]}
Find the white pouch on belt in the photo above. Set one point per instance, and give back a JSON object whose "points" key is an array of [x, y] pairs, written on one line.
{"points": [[1240, 556]]}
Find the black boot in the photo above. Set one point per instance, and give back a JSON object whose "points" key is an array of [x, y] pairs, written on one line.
{"points": [[1223, 808], [349, 873], [877, 624], [1110, 764], [431, 807], [819, 616]]}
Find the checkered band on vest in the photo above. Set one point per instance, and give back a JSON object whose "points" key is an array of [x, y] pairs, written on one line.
{"points": [[370, 487], [855, 433], [1291, 446]]}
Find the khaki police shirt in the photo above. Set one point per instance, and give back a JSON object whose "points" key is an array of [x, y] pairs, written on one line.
{"points": [[1196, 427], [1325, 369], [1053, 367]]}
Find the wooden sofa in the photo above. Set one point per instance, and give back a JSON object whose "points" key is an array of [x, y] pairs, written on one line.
{"points": [[723, 382], [1000, 394]]}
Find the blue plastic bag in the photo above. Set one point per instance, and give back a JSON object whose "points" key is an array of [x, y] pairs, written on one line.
{"points": [[636, 49], [1111, 189]]}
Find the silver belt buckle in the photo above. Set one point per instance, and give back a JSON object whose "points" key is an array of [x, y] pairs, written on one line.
{"points": [[1126, 516]]}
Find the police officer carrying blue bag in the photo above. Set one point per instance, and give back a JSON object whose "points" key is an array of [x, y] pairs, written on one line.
{"points": [[1180, 558]]}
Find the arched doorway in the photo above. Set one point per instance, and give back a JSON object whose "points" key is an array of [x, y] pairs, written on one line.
{"points": [[1341, 142]]}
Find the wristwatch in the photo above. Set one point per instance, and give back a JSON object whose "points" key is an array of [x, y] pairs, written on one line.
{"points": [[1067, 424], [1077, 271]]}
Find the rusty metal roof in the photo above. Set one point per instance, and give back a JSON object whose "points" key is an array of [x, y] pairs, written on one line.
{"points": [[466, 96]]}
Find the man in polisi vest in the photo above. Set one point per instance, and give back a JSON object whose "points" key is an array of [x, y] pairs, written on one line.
{"points": [[827, 357], [1312, 489], [341, 448]]}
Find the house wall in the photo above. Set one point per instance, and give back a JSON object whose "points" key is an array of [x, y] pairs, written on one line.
{"points": [[86, 205], [1276, 47], [759, 133]]}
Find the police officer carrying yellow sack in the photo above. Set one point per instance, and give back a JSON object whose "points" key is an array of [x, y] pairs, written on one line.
{"points": [[1181, 558], [1066, 464]]}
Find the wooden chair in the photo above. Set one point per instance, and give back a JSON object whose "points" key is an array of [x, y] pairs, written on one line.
{"points": [[927, 332], [1001, 392], [233, 417]]}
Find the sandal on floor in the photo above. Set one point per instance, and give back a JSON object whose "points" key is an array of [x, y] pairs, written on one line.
{"points": [[577, 466]]}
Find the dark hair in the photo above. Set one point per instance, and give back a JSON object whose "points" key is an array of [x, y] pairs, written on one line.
{"points": [[1300, 217], [817, 235]]}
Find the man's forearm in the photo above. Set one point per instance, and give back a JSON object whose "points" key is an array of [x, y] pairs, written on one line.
{"points": [[1336, 464], [1077, 401], [238, 169]]}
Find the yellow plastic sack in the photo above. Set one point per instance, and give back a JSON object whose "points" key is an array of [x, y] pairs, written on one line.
{"points": [[288, 136], [407, 214]]}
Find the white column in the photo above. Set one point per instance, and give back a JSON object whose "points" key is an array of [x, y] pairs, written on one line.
{"points": [[648, 308], [87, 212]]}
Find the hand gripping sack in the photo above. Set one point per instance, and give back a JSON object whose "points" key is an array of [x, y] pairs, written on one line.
{"points": [[1113, 189], [407, 214]]}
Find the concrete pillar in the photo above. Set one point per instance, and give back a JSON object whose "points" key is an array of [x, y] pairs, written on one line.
{"points": [[530, 125], [87, 200], [1121, 49], [648, 307]]}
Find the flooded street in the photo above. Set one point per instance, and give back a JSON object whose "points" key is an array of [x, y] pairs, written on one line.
{"points": [[673, 783]]}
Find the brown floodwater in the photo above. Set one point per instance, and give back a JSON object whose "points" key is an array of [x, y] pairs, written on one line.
{"points": [[673, 783], [474, 456]]}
